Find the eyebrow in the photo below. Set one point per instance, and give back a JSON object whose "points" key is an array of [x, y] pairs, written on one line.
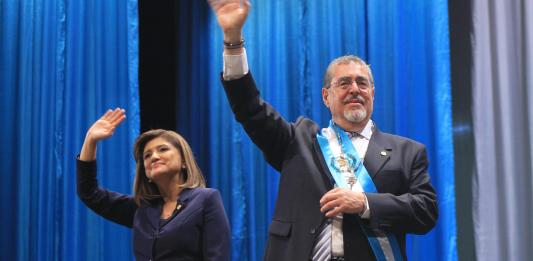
{"points": [[357, 78], [344, 78], [156, 147], [361, 78]]}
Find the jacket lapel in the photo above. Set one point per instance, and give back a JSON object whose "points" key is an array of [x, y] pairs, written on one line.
{"points": [[377, 154], [325, 180], [154, 213]]}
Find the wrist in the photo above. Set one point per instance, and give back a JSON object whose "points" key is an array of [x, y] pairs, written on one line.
{"points": [[90, 139], [232, 36], [365, 208], [88, 151], [234, 47]]}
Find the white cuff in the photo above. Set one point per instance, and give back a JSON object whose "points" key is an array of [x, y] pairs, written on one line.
{"points": [[235, 66], [366, 212]]}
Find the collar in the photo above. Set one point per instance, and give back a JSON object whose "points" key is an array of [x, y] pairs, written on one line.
{"points": [[367, 130], [366, 133]]}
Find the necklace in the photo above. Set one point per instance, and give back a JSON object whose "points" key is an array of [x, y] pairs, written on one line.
{"points": [[166, 214]]}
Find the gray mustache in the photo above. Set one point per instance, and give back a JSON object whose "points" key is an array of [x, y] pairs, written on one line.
{"points": [[357, 98]]}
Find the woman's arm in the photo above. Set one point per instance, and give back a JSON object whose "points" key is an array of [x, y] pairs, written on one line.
{"points": [[114, 206]]}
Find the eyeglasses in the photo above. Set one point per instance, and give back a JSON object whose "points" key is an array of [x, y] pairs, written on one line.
{"points": [[344, 83]]}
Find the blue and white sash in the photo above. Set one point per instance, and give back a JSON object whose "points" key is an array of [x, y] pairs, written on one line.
{"points": [[342, 158]]}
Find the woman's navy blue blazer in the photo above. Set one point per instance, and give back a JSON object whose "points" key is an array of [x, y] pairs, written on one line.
{"points": [[199, 229]]}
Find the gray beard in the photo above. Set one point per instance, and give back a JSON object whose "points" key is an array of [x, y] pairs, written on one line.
{"points": [[355, 116]]}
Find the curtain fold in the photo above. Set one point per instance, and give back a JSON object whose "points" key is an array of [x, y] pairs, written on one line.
{"points": [[289, 45], [62, 64], [191, 68], [502, 94], [409, 53]]}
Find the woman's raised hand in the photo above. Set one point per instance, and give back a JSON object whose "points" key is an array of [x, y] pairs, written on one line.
{"points": [[103, 128]]}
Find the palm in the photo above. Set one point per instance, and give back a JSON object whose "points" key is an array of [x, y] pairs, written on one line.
{"points": [[104, 127], [231, 14]]}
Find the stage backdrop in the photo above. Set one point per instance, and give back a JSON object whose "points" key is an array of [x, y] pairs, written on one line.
{"points": [[62, 64], [289, 44]]}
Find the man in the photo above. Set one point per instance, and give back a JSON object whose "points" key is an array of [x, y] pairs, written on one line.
{"points": [[347, 192]]}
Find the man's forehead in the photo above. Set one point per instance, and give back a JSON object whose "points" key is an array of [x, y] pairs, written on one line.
{"points": [[350, 69]]}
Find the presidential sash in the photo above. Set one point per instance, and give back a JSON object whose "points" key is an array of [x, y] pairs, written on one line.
{"points": [[342, 158]]}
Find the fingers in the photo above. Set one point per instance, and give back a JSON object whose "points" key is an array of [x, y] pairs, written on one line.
{"points": [[119, 120], [332, 208], [337, 201], [334, 212], [214, 4], [330, 195], [329, 203], [246, 5], [106, 115], [114, 117], [217, 4], [117, 116]]}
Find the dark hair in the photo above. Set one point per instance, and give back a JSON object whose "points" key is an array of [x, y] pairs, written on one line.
{"points": [[146, 190], [346, 59]]}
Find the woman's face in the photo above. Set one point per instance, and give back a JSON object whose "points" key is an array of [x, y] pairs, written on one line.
{"points": [[161, 158]]}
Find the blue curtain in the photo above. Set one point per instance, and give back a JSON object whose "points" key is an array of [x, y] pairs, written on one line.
{"points": [[62, 64], [409, 50], [289, 44], [192, 19]]}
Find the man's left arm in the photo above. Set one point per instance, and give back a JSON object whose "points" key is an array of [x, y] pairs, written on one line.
{"points": [[415, 211]]}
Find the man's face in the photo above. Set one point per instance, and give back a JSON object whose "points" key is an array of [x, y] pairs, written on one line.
{"points": [[350, 97]]}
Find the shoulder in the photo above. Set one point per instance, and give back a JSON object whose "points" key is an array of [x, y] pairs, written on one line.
{"points": [[205, 194], [398, 142], [204, 191], [306, 125]]}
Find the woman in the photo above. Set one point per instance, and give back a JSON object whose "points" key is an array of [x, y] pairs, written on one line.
{"points": [[172, 214]]}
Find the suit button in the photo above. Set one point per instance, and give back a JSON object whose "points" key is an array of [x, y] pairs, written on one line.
{"points": [[312, 231]]}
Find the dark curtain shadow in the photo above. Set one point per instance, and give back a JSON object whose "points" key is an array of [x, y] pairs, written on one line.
{"points": [[174, 43], [460, 19]]}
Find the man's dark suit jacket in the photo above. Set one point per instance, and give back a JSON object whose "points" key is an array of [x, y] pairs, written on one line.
{"points": [[199, 231], [406, 202]]}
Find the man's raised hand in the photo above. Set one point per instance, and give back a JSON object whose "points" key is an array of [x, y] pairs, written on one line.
{"points": [[231, 15]]}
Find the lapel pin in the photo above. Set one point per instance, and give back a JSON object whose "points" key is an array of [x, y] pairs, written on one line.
{"points": [[383, 153]]}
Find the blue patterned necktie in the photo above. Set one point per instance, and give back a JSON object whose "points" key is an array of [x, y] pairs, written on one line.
{"points": [[322, 249]]}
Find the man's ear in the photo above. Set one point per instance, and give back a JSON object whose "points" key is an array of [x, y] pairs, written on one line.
{"points": [[325, 97]]}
